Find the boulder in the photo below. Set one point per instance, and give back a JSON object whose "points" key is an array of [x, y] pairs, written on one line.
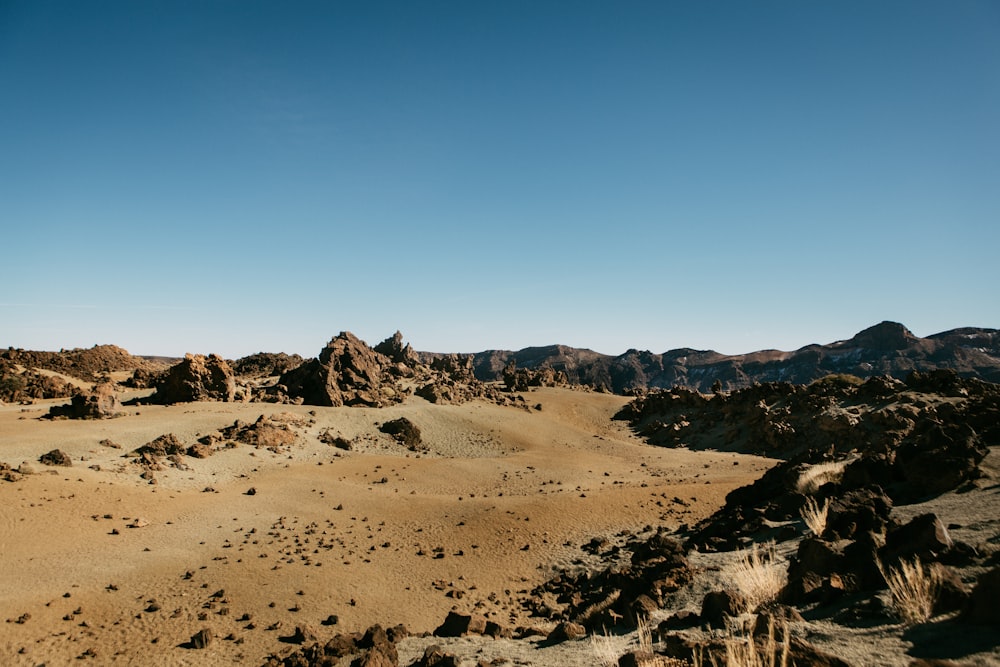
{"points": [[377, 639], [718, 605], [460, 625], [197, 378], [860, 510], [165, 445], [982, 608], [924, 537], [304, 634], [346, 373], [404, 432], [56, 457], [938, 460], [201, 639], [100, 403], [566, 631], [435, 656]]}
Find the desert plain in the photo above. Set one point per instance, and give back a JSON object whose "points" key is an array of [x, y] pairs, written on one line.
{"points": [[276, 526], [104, 561]]}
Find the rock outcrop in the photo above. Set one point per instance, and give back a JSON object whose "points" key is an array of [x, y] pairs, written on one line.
{"points": [[197, 378], [346, 373], [101, 402], [264, 364]]}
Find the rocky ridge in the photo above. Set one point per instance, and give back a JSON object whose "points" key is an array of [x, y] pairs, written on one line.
{"points": [[888, 348]]}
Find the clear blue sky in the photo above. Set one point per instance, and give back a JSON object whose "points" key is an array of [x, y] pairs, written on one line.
{"points": [[236, 176]]}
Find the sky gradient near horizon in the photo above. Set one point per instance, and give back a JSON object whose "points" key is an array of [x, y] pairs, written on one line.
{"points": [[234, 177]]}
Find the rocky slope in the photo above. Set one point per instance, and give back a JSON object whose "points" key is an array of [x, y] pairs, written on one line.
{"points": [[887, 348]]}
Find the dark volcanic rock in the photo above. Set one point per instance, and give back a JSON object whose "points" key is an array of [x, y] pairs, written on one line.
{"points": [[717, 606], [264, 364], [404, 432], [888, 348], [197, 378], [56, 457], [522, 379], [983, 608], [924, 537], [859, 510], [459, 625]]}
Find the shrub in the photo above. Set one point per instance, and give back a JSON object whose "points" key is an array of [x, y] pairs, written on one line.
{"points": [[814, 515], [743, 651], [914, 589], [813, 477], [758, 575]]}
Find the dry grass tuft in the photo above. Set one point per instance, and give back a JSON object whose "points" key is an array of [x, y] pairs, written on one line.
{"points": [[814, 515], [743, 651], [608, 648], [914, 590], [813, 477], [759, 575]]}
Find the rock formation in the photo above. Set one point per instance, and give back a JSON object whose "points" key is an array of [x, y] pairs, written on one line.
{"points": [[197, 378], [100, 403], [347, 372]]}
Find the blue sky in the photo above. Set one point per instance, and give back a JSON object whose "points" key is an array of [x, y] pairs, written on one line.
{"points": [[231, 177]]}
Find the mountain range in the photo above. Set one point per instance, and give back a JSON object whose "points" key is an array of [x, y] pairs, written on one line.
{"points": [[888, 348]]}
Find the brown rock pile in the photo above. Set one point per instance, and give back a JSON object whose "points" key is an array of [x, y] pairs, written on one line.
{"points": [[522, 379], [99, 403], [265, 364], [197, 378], [346, 373], [272, 432], [621, 593], [404, 432], [451, 379], [85, 364], [402, 357], [376, 647], [904, 441], [18, 386]]}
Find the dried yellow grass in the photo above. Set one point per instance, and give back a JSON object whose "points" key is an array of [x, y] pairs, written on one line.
{"points": [[608, 648], [813, 477], [914, 589], [814, 515], [759, 575], [744, 651]]}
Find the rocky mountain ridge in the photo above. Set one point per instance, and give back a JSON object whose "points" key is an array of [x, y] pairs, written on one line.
{"points": [[888, 348]]}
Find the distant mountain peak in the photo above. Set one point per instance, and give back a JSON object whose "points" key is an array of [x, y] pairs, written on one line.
{"points": [[884, 336]]}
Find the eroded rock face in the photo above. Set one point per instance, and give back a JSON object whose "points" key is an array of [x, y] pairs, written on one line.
{"points": [[197, 378]]}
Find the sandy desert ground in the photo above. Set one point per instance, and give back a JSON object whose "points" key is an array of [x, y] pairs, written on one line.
{"points": [[100, 564]]}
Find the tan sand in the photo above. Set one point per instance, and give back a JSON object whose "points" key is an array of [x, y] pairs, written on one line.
{"points": [[504, 496]]}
